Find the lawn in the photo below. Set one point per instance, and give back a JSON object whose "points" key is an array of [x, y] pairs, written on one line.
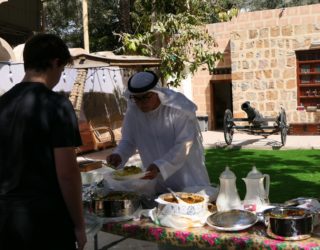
{"points": [[293, 173]]}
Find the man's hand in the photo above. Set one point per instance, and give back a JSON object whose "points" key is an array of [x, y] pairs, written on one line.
{"points": [[114, 160], [153, 171]]}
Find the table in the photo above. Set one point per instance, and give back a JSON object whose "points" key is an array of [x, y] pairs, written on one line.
{"points": [[206, 237]]}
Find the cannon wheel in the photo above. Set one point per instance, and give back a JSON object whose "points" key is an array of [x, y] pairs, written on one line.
{"points": [[228, 126], [283, 126]]}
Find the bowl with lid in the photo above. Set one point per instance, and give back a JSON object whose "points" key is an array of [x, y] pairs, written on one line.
{"points": [[192, 204]]}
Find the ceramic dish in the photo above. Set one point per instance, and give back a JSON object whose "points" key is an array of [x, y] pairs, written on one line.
{"points": [[298, 201], [194, 204], [233, 220]]}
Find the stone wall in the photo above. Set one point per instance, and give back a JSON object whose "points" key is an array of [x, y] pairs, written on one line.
{"points": [[261, 49]]}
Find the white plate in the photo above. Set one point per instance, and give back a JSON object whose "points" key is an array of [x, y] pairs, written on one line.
{"points": [[127, 177], [234, 220]]}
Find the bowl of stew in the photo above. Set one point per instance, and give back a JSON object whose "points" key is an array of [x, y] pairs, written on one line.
{"points": [[192, 204], [289, 223]]}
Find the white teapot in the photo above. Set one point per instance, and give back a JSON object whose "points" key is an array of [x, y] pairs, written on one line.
{"points": [[257, 190], [228, 197]]}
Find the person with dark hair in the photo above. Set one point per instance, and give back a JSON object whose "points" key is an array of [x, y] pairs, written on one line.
{"points": [[40, 184], [161, 124]]}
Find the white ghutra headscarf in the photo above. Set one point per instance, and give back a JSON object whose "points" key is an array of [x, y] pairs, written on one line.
{"points": [[148, 81]]}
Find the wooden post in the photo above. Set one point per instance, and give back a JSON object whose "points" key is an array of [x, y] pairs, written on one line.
{"points": [[85, 25], [43, 11]]}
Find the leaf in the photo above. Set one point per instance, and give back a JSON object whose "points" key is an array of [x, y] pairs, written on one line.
{"points": [[132, 46]]}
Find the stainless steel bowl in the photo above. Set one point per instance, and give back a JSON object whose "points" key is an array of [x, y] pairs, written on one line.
{"points": [[289, 223], [117, 204]]}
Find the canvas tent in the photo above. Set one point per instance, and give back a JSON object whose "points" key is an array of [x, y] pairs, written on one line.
{"points": [[6, 52], [103, 111], [94, 85]]}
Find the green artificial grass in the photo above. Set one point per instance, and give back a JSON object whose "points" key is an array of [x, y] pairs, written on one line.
{"points": [[293, 173]]}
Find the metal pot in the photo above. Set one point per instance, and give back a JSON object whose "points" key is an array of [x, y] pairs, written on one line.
{"points": [[289, 223], [117, 204]]}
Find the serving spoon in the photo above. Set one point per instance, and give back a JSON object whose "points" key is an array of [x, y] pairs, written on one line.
{"points": [[179, 200]]}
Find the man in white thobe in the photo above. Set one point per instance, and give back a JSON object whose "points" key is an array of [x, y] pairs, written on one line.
{"points": [[161, 124]]}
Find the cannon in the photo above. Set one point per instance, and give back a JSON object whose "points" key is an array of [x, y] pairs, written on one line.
{"points": [[257, 123], [254, 116]]}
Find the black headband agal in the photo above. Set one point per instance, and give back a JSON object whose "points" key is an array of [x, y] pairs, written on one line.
{"points": [[145, 88]]}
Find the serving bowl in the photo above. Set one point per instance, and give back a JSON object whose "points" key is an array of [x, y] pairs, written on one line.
{"points": [[117, 204], [289, 223], [232, 220], [193, 204]]}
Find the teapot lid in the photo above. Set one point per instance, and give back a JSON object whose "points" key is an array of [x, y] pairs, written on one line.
{"points": [[227, 174], [254, 173]]}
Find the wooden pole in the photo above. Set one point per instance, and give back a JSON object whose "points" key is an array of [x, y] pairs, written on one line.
{"points": [[85, 25], [43, 16]]}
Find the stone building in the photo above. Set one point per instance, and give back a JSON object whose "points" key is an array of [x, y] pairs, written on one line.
{"points": [[272, 59]]}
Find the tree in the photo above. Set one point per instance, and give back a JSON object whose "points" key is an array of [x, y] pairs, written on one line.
{"points": [[174, 31], [125, 8], [64, 18]]}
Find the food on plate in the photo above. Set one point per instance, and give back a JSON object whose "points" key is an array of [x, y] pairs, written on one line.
{"points": [[191, 199], [128, 170]]}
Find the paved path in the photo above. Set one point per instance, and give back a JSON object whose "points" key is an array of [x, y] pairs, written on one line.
{"points": [[242, 140], [215, 139], [210, 139]]}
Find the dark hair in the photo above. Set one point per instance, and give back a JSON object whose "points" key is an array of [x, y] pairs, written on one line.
{"points": [[41, 49]]}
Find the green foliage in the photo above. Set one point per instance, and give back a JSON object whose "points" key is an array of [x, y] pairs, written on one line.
{"points": [[64, 18], [160, 28], [174, 31]]}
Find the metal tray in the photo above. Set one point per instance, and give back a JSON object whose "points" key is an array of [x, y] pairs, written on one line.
{"points": [[233, 220]]}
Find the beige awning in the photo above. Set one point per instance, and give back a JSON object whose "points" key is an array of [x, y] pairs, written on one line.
{"points": [[6, 52], [18, 52], [83, 60], [107, 58]]}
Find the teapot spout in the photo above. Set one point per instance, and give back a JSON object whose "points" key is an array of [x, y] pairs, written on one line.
{"points": [[245, 180]]}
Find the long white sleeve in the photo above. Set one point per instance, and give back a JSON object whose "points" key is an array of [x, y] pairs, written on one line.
{"points": [[167, 137]]}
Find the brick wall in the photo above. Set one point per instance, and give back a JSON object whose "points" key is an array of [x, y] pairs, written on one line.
{"points": [[260, 48]]}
